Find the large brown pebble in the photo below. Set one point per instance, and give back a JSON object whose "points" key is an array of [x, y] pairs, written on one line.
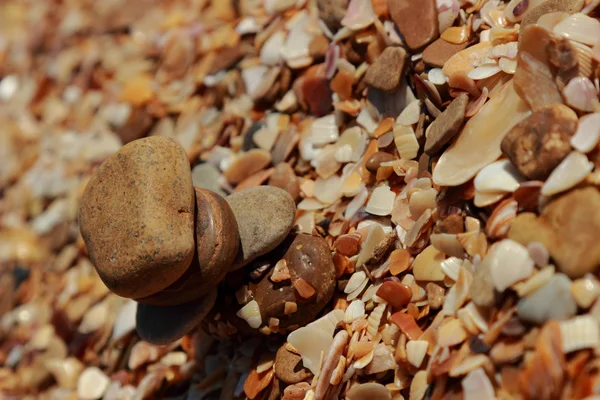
{"points": [[440, 51], [289, 367], [541, 141], [137, 217], [285, 178], [166, 324], [417, 20], [386, 72], [569, 228], [550, 6], [308, 258], [217, 242], [446, 125], [265, 215]]}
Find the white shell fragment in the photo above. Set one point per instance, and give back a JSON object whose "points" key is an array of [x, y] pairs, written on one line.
{"points": [[251, 314], [410, 115], [125, 322], [580, 332], [355, 281], [579, 27], [500, 176], [484, 71], [324, 130], [571, 171], [509, 263], [477, 386], [415, 351], [587, 135], [355, 310], [92, 384], [381, 202]]}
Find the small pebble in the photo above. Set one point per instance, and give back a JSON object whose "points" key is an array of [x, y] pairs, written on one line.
{"points": [[285, 178], [541, 141], [376, 159], [309, 259], [348, 244], [92, 384], [387, 71], [166, 324], [440, 51], [132, 237], [289, 367], [551, 301], [417, 20], [265, 216], [447, 125], [427, 265]]}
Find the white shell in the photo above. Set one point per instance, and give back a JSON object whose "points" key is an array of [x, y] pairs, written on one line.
{"points": [[477, 386], [355, 281], [587, 135], [410, 115], [437, 76], [579, 333], [92, 384], [509, 262], [572, 170], [382, 201], [415, 351], [498, 177], [406, 142], [270, 53], [251, 314], [484, 71], [359, 15], [579, 27], [125, 321], [324, 130], [355, 310], [448, 244], [451, 267]]}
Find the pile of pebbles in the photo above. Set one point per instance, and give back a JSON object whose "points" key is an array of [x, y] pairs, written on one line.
{"points": [[300, 199]]}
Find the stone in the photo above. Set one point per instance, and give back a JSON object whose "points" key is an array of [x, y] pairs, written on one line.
{"points": [[447, 125], [376, 159], [285, 178], [92, 384], [440, 51], [541, 141], [206, 176], [568, 227], [265, 215], [452, 224], [246, 164], [313, 92], [388, 69], [482, 291], [427, 265], [165, 324], [332, 12], [131, 236], [308, 259], [417, 20], [550, 6], [289, 368], [552, 301]]}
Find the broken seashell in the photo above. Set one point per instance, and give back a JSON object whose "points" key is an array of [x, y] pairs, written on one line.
{"points": [[456, 34], [324, 130], [251, 314], [410, 114], [507, 65], [585, 291], [579, 27], [587, 136], [375, 319], [92, 384], [476, 385], [500, 176], [536, 281], [416, 351], [355, 281], [359, 15], [451, 267], [580, 93], [418, 386], [570, 172], [427, 265], [381, 202], [447, 244], [578, 333], [369, 391], [406, 142], [355, 310], [509, 262], [501, 218], [437, 76], [464, 60], [484, 71]]}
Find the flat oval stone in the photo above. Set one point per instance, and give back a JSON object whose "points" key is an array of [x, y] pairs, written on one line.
{"points": [[217, 242], [265, 215], [137, 217], [166, 324], [289, 367], [308, 259], [417, 20]]}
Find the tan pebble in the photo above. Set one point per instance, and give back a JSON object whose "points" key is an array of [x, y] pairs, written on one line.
{"points": [[440, 51], [567, 228], [92, 384], [388, 69], [585, 291], [348, 244], [376, 159], [285, 178], [427, 265], [247, 164], [540, 142], [435, 295], [417, 21], [289, 367], [447, 125], [133, 237]]}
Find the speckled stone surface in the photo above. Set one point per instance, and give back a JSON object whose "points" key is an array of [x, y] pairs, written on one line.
{"points": [[137, 217]]}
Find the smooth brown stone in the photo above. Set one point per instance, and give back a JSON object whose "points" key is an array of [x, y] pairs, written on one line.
{"points": [[285, 178], [137, 217], [417, 20], [309, 258], [374, 162], [388, 69], [440, 51], [541, 141], [447, 125], [289, 367], [396, 294], [348, 244], [568, 227], [166, 324], [313, 92]]}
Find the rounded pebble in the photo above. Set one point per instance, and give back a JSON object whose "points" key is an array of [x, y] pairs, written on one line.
{"points": [[265, 216], [131, 236], [376, 159]]}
